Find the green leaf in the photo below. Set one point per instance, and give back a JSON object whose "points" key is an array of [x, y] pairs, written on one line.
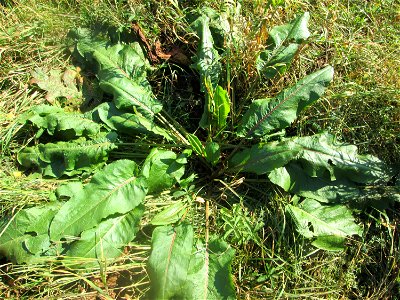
{"points": [[329, 242], [178, 271], [25, 237], [216, 109], [292, 178], [66, 191], [209, 274], [171, 214], [186, 183], [314, 219], [121, 70], [322, 153], [57, 84], [319, 155], [207, 63], [266, 115], [62, 124], [213, 153], [117, 189], [207, 59], [218, 24], [67, 158], [197, 146], [283, 43], [264, 158], [162, 169], [221, 104], [105, 241], [169, 259], [125, 122]]}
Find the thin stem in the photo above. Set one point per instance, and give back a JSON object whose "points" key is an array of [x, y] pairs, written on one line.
{"points": [[153, 145], [164, 121], [207, 215]]}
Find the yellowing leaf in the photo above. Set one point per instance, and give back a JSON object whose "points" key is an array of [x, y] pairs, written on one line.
{"points": [[17, 174], [57, 84]]}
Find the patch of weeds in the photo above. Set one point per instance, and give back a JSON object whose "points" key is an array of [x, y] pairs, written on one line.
{"points": [[239, 226], [369, 119], [141, 146]]}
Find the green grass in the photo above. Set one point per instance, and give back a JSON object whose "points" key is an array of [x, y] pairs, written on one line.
{"points": [[361, 39]]}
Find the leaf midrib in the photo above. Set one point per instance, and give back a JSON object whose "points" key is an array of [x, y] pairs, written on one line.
{"points": [[140, 104], [168, 262]]}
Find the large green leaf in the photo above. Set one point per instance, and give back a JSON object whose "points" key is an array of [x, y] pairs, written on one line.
{"points": [[62, 124], [121, 70], [169, 260], [266, 115], [329, 224], [207, 60], [105, 241], [125, 122], [216, 107], [117, 189], [264, 158], [68, 190], [163, 168], [282, 45], [322, 153], [225, 32], [178, 270], [68, 158], [25, 237], [292, 178], [209, 274], [318, 155]]}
